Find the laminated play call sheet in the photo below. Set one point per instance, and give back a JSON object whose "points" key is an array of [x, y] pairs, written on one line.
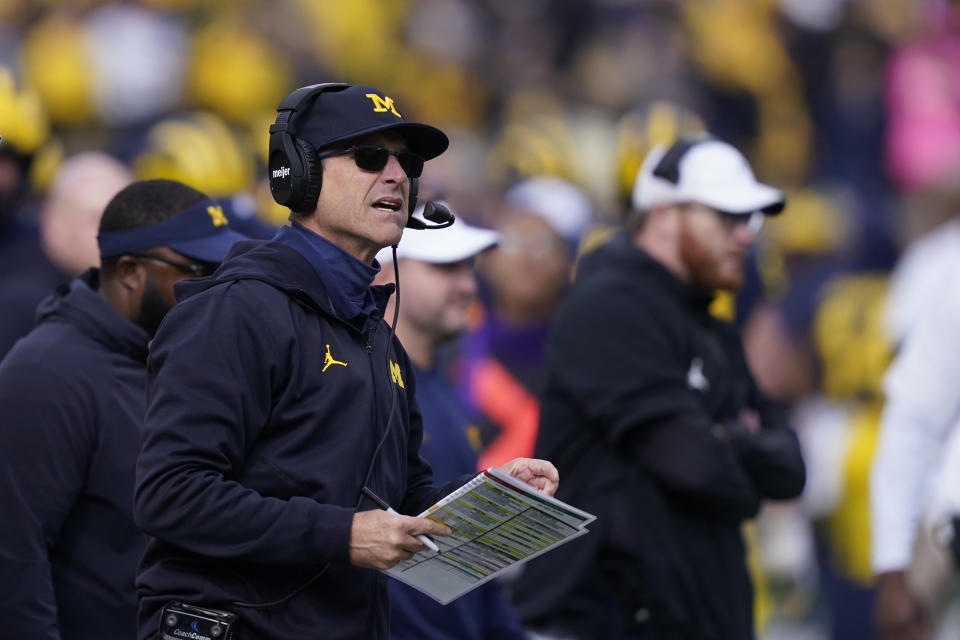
{"points": [[498, 522]]}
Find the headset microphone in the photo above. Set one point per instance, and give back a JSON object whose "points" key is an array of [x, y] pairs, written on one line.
{"points": [[435, 212]]}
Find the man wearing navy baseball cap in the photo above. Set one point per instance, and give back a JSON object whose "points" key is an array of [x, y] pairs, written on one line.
{"points": [[281, 400], [72, 400]]}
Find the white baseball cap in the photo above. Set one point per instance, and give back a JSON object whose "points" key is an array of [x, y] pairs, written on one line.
{"points": [[565, 207], [704, 170], [441, 246]]}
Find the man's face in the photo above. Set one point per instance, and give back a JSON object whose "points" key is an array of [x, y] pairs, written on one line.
{"points": [[157, 297], [363, 211], [530, 268], [436, 297], [713, 246]]}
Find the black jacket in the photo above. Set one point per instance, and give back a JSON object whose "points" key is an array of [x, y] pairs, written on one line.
{"points": [[642, 416], [264, 412], [71, 405]]}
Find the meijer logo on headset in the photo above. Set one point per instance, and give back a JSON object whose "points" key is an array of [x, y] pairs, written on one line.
{"points": [[282, 172]]}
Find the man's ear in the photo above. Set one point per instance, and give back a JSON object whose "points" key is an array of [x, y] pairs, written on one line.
{"points": [[663, 221], [130, 274]]}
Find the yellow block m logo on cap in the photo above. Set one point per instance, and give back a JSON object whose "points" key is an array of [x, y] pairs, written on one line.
{"points": [[216, 215], [380, 105], [395, 374]]}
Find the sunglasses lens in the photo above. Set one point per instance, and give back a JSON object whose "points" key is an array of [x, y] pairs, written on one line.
{"points": [[370, 158], [412, 163]]}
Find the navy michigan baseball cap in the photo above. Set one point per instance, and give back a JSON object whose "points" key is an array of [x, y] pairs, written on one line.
{"points": [[356, 110]]}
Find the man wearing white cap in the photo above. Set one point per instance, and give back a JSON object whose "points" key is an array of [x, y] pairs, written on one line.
{"points": [[651, 412], [438, 285]]}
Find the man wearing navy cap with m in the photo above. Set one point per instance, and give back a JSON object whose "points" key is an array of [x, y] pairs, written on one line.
{"points": [[72, 402], [278, 399]]}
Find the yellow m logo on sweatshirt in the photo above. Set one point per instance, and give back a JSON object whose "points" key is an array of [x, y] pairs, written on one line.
{"points": [[395, 374]]}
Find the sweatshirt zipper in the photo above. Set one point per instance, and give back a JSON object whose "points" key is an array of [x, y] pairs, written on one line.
{"points": [[371, 334]]}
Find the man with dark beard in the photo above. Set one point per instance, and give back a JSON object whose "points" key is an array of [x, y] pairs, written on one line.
{"points": [[653, 416], [72, 399]]}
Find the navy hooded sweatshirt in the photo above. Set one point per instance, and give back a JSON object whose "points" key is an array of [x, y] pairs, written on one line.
{"points": [[71, 405], [265, 410]]}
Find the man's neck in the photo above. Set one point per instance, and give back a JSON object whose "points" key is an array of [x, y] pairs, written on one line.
{"points": [[362, 251], [663, 250]]}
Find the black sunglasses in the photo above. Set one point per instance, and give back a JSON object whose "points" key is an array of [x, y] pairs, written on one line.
{"points": [[373, 158], [191, 268]]}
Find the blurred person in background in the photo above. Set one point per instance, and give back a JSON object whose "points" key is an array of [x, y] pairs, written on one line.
{"points": [[651, 411], [26, 274], [439, 285], [838, 422], [72, 400], [920, 417], [68, 220], [776, 309], [204, 151], [70, 213], [499, 371], [910, 494], [25, 128], [252, 494]]}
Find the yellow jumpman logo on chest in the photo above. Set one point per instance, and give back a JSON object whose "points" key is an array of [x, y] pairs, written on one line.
{"points": [[328, 360]]}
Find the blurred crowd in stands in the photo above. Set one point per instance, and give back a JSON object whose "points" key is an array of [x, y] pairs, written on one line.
{"points": [[853, 107]]}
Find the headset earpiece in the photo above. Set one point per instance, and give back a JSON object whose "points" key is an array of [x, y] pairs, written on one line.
{"points": [[312, 179], [295, 174], [283, 164]]}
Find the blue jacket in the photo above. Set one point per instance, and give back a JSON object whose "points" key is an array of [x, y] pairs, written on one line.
{"points": [[264, 413], [71, 405]]}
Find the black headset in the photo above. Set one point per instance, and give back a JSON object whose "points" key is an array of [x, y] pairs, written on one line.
{"points": [[294, 171], [669, 166], [296, 174]]}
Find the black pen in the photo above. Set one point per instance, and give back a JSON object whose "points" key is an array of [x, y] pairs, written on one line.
{"points": [[377, 500]]}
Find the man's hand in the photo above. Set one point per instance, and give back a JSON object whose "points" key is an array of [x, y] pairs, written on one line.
{"points": [[537, 473], [379, 540], [896, 613]]}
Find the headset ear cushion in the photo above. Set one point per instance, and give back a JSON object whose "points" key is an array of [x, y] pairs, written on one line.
{"points": [[312, 179]]}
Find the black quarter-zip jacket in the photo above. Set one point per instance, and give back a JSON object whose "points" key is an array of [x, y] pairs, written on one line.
{"points": [[264, 410], [641, 415]]}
